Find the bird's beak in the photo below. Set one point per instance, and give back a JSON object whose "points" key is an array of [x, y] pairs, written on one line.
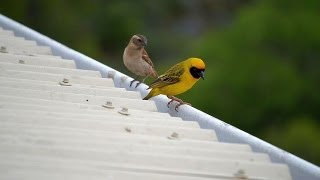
{"points": [[144, 44], [201, 74]]}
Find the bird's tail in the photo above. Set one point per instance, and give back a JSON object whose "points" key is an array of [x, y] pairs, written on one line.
{"points": [[148, 96], [152, 93], [153, 73]]}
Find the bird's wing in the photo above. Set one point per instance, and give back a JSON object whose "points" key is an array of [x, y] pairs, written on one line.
{"points": [[172, 76], [146, 58]]}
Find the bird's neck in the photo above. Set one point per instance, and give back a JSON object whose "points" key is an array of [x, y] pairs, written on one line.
{"points": [[135, 47]]}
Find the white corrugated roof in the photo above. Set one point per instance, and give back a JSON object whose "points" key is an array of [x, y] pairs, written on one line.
{"points": [[56, 123]]}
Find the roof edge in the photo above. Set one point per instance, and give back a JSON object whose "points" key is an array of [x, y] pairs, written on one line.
{"points": [[300, 169]]}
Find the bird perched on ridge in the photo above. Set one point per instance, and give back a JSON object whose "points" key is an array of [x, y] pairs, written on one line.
{"points": [[137, 60], [178, 79]]}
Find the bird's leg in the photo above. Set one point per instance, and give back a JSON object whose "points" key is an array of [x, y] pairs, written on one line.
{"points": [[170, 101], [142, 81], [180, 101], [135, 79]]}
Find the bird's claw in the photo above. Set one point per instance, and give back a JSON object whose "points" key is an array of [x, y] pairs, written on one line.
{"points": [[170, 103], [178, 100], [141, 81], [138, 84], [131, 82], [176, 108], [181, 103]]}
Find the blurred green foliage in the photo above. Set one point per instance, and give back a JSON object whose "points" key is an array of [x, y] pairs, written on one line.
{"points": [[264, 72], [262, 57]]}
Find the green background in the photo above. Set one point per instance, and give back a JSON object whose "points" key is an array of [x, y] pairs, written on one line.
{"points": [[262, 57]]}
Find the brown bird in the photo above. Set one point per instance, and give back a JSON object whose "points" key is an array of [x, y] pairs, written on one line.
{"points": [[137, 60]]}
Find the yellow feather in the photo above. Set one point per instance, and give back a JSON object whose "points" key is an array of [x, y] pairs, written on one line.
{"points": [[177, 79]]}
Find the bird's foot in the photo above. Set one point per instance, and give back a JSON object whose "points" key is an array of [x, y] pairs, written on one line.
{"points": [[180, 101], [131, 82], [138, 84], [170, 103], [141, 81]]}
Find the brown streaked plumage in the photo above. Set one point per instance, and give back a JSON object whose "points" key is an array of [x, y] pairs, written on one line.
{"points": [[137, 60]]}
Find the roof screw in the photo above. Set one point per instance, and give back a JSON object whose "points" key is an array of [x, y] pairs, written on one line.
{"points": [[3, 49], [124, 78], [241, 175], [128, 130], [21, 61], [174, 135], [65, 82], [124, 111], [108, 105], [111, 74]]}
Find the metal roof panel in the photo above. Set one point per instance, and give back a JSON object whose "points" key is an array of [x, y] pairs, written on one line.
{"points": [[57, 120]]}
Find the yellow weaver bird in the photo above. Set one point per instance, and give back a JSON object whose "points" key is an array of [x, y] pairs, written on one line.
{"points": [[178, 79]]}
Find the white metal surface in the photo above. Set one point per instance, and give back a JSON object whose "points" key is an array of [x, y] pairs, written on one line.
{"points": [[46, 69], [49, 130], [56, 77], [6, 32], [12, 41], [100, 138], [100, 126], [79, 98], [50, 61], [106, 119], [27, 50], [55, 87], [115, 147], [147, 162]]}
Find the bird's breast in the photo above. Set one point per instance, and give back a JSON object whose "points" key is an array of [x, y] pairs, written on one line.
{"points": [[180, 87], [135, 63]]}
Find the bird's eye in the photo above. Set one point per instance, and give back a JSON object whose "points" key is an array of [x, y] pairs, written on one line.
{"points": [[139, 40]]}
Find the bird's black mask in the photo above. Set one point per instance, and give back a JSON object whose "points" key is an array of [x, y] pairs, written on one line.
{"points": [[197, 73]]}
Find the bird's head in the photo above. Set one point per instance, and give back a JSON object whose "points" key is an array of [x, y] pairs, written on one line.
{"points": [[197, 67], [139, 40]]}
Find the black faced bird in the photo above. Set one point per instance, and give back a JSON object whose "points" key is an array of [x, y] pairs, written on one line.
{"points": [[178, 79]]}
